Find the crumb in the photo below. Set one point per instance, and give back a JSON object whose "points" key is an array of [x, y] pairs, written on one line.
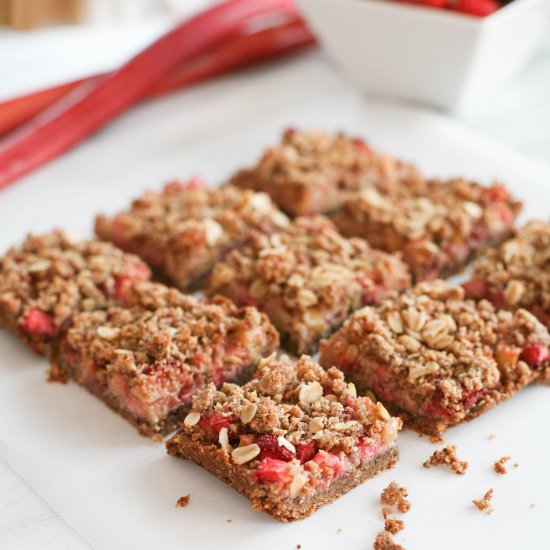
{"points": [[499, 465], [183, 501], [229, 520], [384, 541], [485, 503], [393, 525], [339, 530], [157, 438], [532, 505], [394, 495], [436, 439], [516, 464], [298, 546], [492, 436], [386, 511], [447, 457]]}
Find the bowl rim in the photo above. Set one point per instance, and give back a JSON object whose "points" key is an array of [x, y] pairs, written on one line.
{"points": [[505, 12]]}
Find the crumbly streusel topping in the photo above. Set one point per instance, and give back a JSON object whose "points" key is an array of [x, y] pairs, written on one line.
{"points": [[395, 496], [219, 217], [60, 275], [499, 465], [314, 158], [484, 504], [160, 326], [309, 267], [434, 340], [384, 541], [299, 402], [520, 267], [447, 457]]}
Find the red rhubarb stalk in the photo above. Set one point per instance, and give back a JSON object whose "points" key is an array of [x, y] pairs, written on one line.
{"points": [[242, 51], [91, 105]]}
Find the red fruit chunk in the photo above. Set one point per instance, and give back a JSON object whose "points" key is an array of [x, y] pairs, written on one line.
{"points": [[475, 288], [39, 323], [535, 356], [435, 408], [479, 8], [271, 449], [471, 397], [271, 470], [305, 451], [329, 463], [212, 423]]}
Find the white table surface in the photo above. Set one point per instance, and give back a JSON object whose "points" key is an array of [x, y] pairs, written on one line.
{"points": [[519, 116]]}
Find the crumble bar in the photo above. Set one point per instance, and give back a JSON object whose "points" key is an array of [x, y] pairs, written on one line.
{"points": [[437, 359], [307, 278], [148, 359], [313, 172], [51, 277], [185, 229], [517, 273], [438, 226], [447, 457], [292, 439]]}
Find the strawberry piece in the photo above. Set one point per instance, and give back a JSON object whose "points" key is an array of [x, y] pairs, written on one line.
{"points": [[305, 451], [471, 397], [212, 423], [330, 464], [39, 323], [271, 470], [435, 408], [475, 289], [271, 449], [535, 355]]}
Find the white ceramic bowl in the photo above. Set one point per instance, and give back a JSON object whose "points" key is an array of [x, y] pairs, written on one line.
{"points": [[441, 58]]}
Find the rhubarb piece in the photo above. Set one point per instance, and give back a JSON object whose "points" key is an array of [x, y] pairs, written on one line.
{"points": [[148, 359], [517, 273], [434, 358], [437, 226], [51, 277], [307, 278], [312, 172], [287, 407], [186, 228]]}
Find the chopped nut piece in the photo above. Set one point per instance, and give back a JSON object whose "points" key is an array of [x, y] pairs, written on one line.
{"points": [[223, 439], [192, 418], [309, 393], [248, 413], [499, 465], [182, 502], [447, 457], [240, 455], [484, 504]]}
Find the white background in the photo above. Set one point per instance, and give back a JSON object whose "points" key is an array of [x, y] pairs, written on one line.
{"points": [[115, 487]]}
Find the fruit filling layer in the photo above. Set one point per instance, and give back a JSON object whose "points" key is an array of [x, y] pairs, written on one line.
{"points": [[517, 273], [184, 229], [437, 358], [149, 358], [307, 278], [295, 427], [51, 277], [312, 172], [436, 225]]}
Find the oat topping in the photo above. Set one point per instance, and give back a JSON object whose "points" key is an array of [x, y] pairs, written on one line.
{"points": [[395, 495], [466, 355], [437, 225], [51, 277], [384, 541], [307, 278], [184, 229], [499, 465], [278, 435], [393, 525], [484, 504], [311, 172], [182, 502], [447, 457], [517, 273]]}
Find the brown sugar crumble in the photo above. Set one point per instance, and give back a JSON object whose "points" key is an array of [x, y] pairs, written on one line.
{"points": [[499, 465], [394, 495], [484, 504], [393, 525], [384, 541], [447, 457], [182, 502]]}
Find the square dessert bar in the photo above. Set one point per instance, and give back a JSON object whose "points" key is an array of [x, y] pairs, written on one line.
{"points": [[311, 172], [292, 439], [146, 360], [436, 359], [516, 274], [438, 226], [183, 230], [51, 277], [307, 278]]}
